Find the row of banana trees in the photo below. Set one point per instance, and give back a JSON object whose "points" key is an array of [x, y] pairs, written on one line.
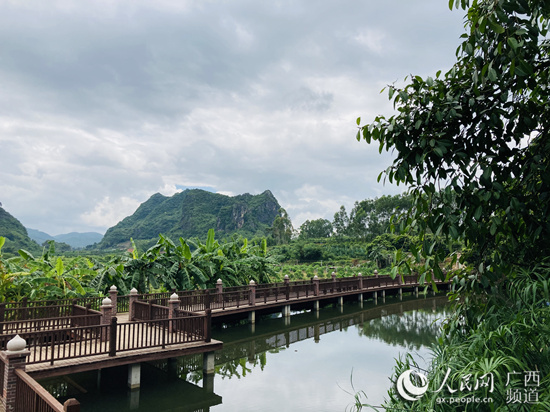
{"points": [[168, 265]]}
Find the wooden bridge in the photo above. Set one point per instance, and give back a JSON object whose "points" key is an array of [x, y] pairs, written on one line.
{"points": [[68, 336]]}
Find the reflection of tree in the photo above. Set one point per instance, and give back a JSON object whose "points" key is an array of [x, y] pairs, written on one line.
{"points": [[410, 329]]}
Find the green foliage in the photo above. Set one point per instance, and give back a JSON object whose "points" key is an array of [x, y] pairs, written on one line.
{"points": [[15, 235], [372, 217], [473, 144], [46, 277], [511, 333], [318, 228], [281, 231]]}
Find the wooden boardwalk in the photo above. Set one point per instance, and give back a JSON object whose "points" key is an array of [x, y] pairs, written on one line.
{"points": [[159, 326]]}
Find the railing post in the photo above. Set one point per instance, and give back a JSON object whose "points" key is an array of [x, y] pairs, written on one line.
{"points": [[252, 293], [219, 290], [15, 357], [112, 295], [150, 310], [207, 300], [316, 285], [333, 274], [2, 315], [360, 275], [173, 305], [106, 316], [287, 287], [71, 405], [376, 273], [208, 326], [113, 336], [131, 304]]}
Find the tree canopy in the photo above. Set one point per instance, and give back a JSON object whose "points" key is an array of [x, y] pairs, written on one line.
{"points": [[472, 144]]}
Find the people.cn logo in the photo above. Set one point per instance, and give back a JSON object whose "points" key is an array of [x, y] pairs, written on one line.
{"points": [[408, 389]]}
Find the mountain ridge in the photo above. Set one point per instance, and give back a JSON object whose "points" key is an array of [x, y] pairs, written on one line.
{"points": [[192, 212], [73, 239]]}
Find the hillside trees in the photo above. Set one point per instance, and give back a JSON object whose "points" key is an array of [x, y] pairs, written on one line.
{"points": [[281, 230], [317, 228]]}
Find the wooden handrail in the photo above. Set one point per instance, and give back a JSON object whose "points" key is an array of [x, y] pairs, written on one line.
{"points": [[30, 404]]}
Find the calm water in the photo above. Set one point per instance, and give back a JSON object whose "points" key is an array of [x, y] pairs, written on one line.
{"points": [[307, 363]]}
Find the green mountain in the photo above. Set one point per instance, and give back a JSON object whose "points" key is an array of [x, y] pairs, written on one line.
{"points": [[74, 239], [16, 235], [192, 212]]}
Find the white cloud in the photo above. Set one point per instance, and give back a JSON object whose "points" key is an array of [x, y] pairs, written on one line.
{"points": [[109, 212]]}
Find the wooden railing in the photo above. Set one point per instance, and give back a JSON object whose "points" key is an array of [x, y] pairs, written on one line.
{"points": [[32, 397], [83, 341], [150, 311]]}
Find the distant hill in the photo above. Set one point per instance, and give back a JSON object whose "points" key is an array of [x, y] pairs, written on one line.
{"points": [[74, 239], [16, 235], [192, 212]]}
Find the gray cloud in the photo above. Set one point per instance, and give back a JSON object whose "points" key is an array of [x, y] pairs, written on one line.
{"points": [[105, 103]]}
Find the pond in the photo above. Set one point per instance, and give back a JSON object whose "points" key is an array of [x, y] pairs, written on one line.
{"points": [[312, 361]]}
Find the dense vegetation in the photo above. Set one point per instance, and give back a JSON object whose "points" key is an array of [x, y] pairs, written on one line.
{"points": [[168, 265], [473, 147], [15, 233]]}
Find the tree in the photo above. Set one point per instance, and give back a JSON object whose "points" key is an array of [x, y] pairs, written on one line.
{"points": [[340, 222], [372, 217], [318, 228], [281, 229], [473, 144]]}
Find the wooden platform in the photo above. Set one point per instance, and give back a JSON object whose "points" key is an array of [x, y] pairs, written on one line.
{"points": [[68, 366]]}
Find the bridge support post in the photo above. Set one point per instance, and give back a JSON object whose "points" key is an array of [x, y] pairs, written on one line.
{"points": [[134, 376], [112, 295], [360, 297], [14, 358], [341, 301], [172, 368], [416, 291], [208, 382], [208, 363], [252, 317], [375, 296], [286, 311], [400, 293], [132, 307], [316, 306]]}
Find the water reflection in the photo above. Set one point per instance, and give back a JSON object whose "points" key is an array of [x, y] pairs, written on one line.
{"points": [[277, 364]]}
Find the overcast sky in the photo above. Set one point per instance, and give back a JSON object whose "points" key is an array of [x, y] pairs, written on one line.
{"points": [[104, 103]]}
